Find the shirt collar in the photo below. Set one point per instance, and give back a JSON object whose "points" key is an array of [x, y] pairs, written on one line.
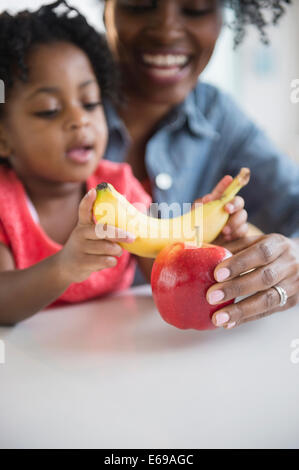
{"points": [[189, 111], [114, 121]]}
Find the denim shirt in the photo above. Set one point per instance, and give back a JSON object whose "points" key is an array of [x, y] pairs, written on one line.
{"points": [[205, 138]]}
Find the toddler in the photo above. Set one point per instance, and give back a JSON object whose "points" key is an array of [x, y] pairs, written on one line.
{"points": [[53, 133]]}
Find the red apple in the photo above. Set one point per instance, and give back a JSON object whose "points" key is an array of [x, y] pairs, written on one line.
{"points": [[181, 276]]}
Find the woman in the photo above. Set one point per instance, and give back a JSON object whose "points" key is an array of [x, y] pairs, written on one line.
{"points": [[182, 136]]}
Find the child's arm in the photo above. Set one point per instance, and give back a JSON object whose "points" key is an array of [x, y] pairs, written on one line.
{"points": [[27, 291]]}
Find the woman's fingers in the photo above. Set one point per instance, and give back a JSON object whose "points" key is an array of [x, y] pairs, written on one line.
{"points": [[262, 252], [235, 205], [240, 232], [236, 224], [221, 187], [271, 260], [259, 279], [236, 246], [292, 302], [217, 191], [258, 305]]}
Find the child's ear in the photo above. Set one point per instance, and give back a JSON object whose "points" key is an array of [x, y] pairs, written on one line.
{"points": [[5, 149]]}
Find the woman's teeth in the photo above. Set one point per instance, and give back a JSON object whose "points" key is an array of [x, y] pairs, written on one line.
{"points": [[169, 60]]}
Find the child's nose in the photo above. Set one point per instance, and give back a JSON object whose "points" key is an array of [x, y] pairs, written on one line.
{"points": [[76, 118]]}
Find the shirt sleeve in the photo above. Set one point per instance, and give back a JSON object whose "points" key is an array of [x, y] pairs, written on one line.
{"points": [[3, 237], [272, 195]]}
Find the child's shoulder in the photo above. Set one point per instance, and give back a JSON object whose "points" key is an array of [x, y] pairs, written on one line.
{"points": [[8, 178], [118, 174]]}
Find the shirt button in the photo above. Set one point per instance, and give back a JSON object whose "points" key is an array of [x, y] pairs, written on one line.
{"points": [[163, 181]]}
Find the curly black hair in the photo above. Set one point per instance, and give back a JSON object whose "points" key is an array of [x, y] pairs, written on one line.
{"points": [[252, 12], [259, 13], [53, 22]]}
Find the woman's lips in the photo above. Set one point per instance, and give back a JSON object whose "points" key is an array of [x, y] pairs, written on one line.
{"points": [[165, 67], [80, 154]]}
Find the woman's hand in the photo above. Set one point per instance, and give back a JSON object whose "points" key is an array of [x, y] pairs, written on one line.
{"points": [[236, 226], [90, 247], [273, 260]]}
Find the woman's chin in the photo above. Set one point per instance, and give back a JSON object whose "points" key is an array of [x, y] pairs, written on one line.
{"points": [[170, 96]]}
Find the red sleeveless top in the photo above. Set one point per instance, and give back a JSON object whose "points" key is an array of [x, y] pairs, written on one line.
{"points": [[29, 243]]}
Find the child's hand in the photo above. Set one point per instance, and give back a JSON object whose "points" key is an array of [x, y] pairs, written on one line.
{"points": [[84, 252]]}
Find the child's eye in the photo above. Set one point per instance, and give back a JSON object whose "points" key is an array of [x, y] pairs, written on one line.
{"points": [[92, 106], [47, 114]]}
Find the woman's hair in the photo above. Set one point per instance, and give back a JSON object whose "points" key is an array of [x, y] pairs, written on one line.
{"points": [[259, 13], [50, 23]]}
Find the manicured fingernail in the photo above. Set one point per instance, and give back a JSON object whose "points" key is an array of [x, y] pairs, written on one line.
{"points": [[230, 207], [216, 296], [222, 274], [90, 192], [221, 318], [231, 324]]}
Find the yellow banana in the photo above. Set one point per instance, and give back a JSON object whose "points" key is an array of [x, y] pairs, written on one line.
{"points": [[202, 224]]}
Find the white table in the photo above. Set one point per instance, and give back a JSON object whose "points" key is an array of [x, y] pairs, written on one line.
{"points": [[112, 374]]}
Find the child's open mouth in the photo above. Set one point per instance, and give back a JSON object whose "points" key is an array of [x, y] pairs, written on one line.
{"points": [[81, 154]]}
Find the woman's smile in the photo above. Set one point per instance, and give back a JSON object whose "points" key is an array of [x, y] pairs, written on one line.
{"points": [[165, 67]]}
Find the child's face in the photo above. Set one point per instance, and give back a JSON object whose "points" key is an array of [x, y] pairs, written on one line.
{"points": [[54, 126]]}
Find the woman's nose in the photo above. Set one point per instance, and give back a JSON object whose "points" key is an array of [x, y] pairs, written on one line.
{"points": [[167, 18], [76, 118]]}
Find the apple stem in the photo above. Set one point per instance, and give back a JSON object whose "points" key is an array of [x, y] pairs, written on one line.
{"points": [[197, 227]]}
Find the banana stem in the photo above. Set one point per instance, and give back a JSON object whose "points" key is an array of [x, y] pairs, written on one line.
{"points": [[238, 182]]}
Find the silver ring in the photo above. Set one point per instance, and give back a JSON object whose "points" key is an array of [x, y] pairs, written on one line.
{"points": [[282, 294]]}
